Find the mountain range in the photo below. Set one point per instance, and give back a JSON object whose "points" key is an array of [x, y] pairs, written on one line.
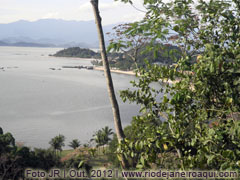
{"points": [[50, 33]]}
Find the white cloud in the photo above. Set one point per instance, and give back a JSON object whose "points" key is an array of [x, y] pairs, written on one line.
{"points": [[85, 7], [111, 6], [51, 15], [112, 12]]}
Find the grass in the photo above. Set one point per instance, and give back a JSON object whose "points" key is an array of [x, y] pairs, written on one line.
{"points": [[66, 152], [100, 160]]}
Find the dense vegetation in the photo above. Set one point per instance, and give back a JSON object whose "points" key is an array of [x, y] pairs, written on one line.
{"points": [[123, 60], [166, 55], [201, 110], [14, 159], [77, 52]]}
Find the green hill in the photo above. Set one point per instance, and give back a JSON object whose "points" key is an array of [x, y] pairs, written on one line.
{"points": [[77, 52]]}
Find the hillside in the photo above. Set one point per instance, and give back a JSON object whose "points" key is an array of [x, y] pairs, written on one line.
{"points": [[163, 54], [25, 44], [77, 52]]}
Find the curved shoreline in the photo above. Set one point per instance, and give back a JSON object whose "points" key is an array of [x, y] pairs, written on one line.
{"points": [[100, 68]]}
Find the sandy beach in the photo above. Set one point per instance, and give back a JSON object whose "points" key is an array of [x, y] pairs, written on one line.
{"points": [[100, 68]]}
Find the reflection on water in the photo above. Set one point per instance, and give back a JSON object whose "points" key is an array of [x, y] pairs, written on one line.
{"points": [[37, 103]]}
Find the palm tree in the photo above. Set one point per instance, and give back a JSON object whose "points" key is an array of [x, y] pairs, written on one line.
{"points": [[106, 132], [74, 143], [101, 137], [57, 142], [1, 131], [98, 138]]}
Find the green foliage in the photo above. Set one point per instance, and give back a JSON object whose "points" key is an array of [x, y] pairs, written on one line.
{"points": [[13, 159], [77, 162], [77, 52], [196, 118], [7, 142], [92, 152], [73, 162], [129, 132], [75, 143], [86, 145], [44, 159], [101, 137], [112, 155], [98, 138], [57, 142], [85, 53], [106, 132], [135, 47]]}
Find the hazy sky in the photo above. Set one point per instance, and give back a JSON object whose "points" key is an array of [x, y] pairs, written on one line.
{"points": [[111, 11]]}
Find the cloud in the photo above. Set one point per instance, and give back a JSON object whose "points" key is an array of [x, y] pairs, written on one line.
{"points": [[111, 6], [85, 7], [102, 6], [112, 12], [6, 11], [51, 15]]}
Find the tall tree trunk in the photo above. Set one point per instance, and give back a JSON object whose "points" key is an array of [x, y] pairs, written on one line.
{"points": [[112, 96]]}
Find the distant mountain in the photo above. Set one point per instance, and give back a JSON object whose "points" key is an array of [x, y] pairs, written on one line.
{"points": [[51, 31], [26, 44], [2, 43]]}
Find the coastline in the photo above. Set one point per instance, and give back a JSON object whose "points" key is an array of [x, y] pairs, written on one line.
{"points": [[74, 58], [100, 68]]}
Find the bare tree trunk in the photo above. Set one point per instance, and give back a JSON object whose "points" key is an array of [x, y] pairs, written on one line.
{"points": [[112, 96]]}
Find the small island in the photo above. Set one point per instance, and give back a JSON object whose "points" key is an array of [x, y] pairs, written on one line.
{"points": [[77, 52]]}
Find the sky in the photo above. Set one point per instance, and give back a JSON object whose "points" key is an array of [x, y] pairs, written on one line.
{"points": [[112, 12]]}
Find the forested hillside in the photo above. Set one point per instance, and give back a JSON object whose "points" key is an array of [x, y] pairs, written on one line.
{"points": [[77, 52]]}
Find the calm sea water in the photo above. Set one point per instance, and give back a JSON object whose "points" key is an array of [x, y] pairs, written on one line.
{"points": [[37, 103]]}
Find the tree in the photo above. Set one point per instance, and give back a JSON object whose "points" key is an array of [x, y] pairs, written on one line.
{"points": [[75, 143], [201, 109], [98, 138], [57, 142], [1, 131], [106, 132], [7, 142], [101, 137], [44, 159], [128, 42], [8, 158], [112, 96], [14, 160], [77, 52]]}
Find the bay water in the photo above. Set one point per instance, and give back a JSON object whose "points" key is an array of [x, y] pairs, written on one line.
{"points": [[39, 99]]}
